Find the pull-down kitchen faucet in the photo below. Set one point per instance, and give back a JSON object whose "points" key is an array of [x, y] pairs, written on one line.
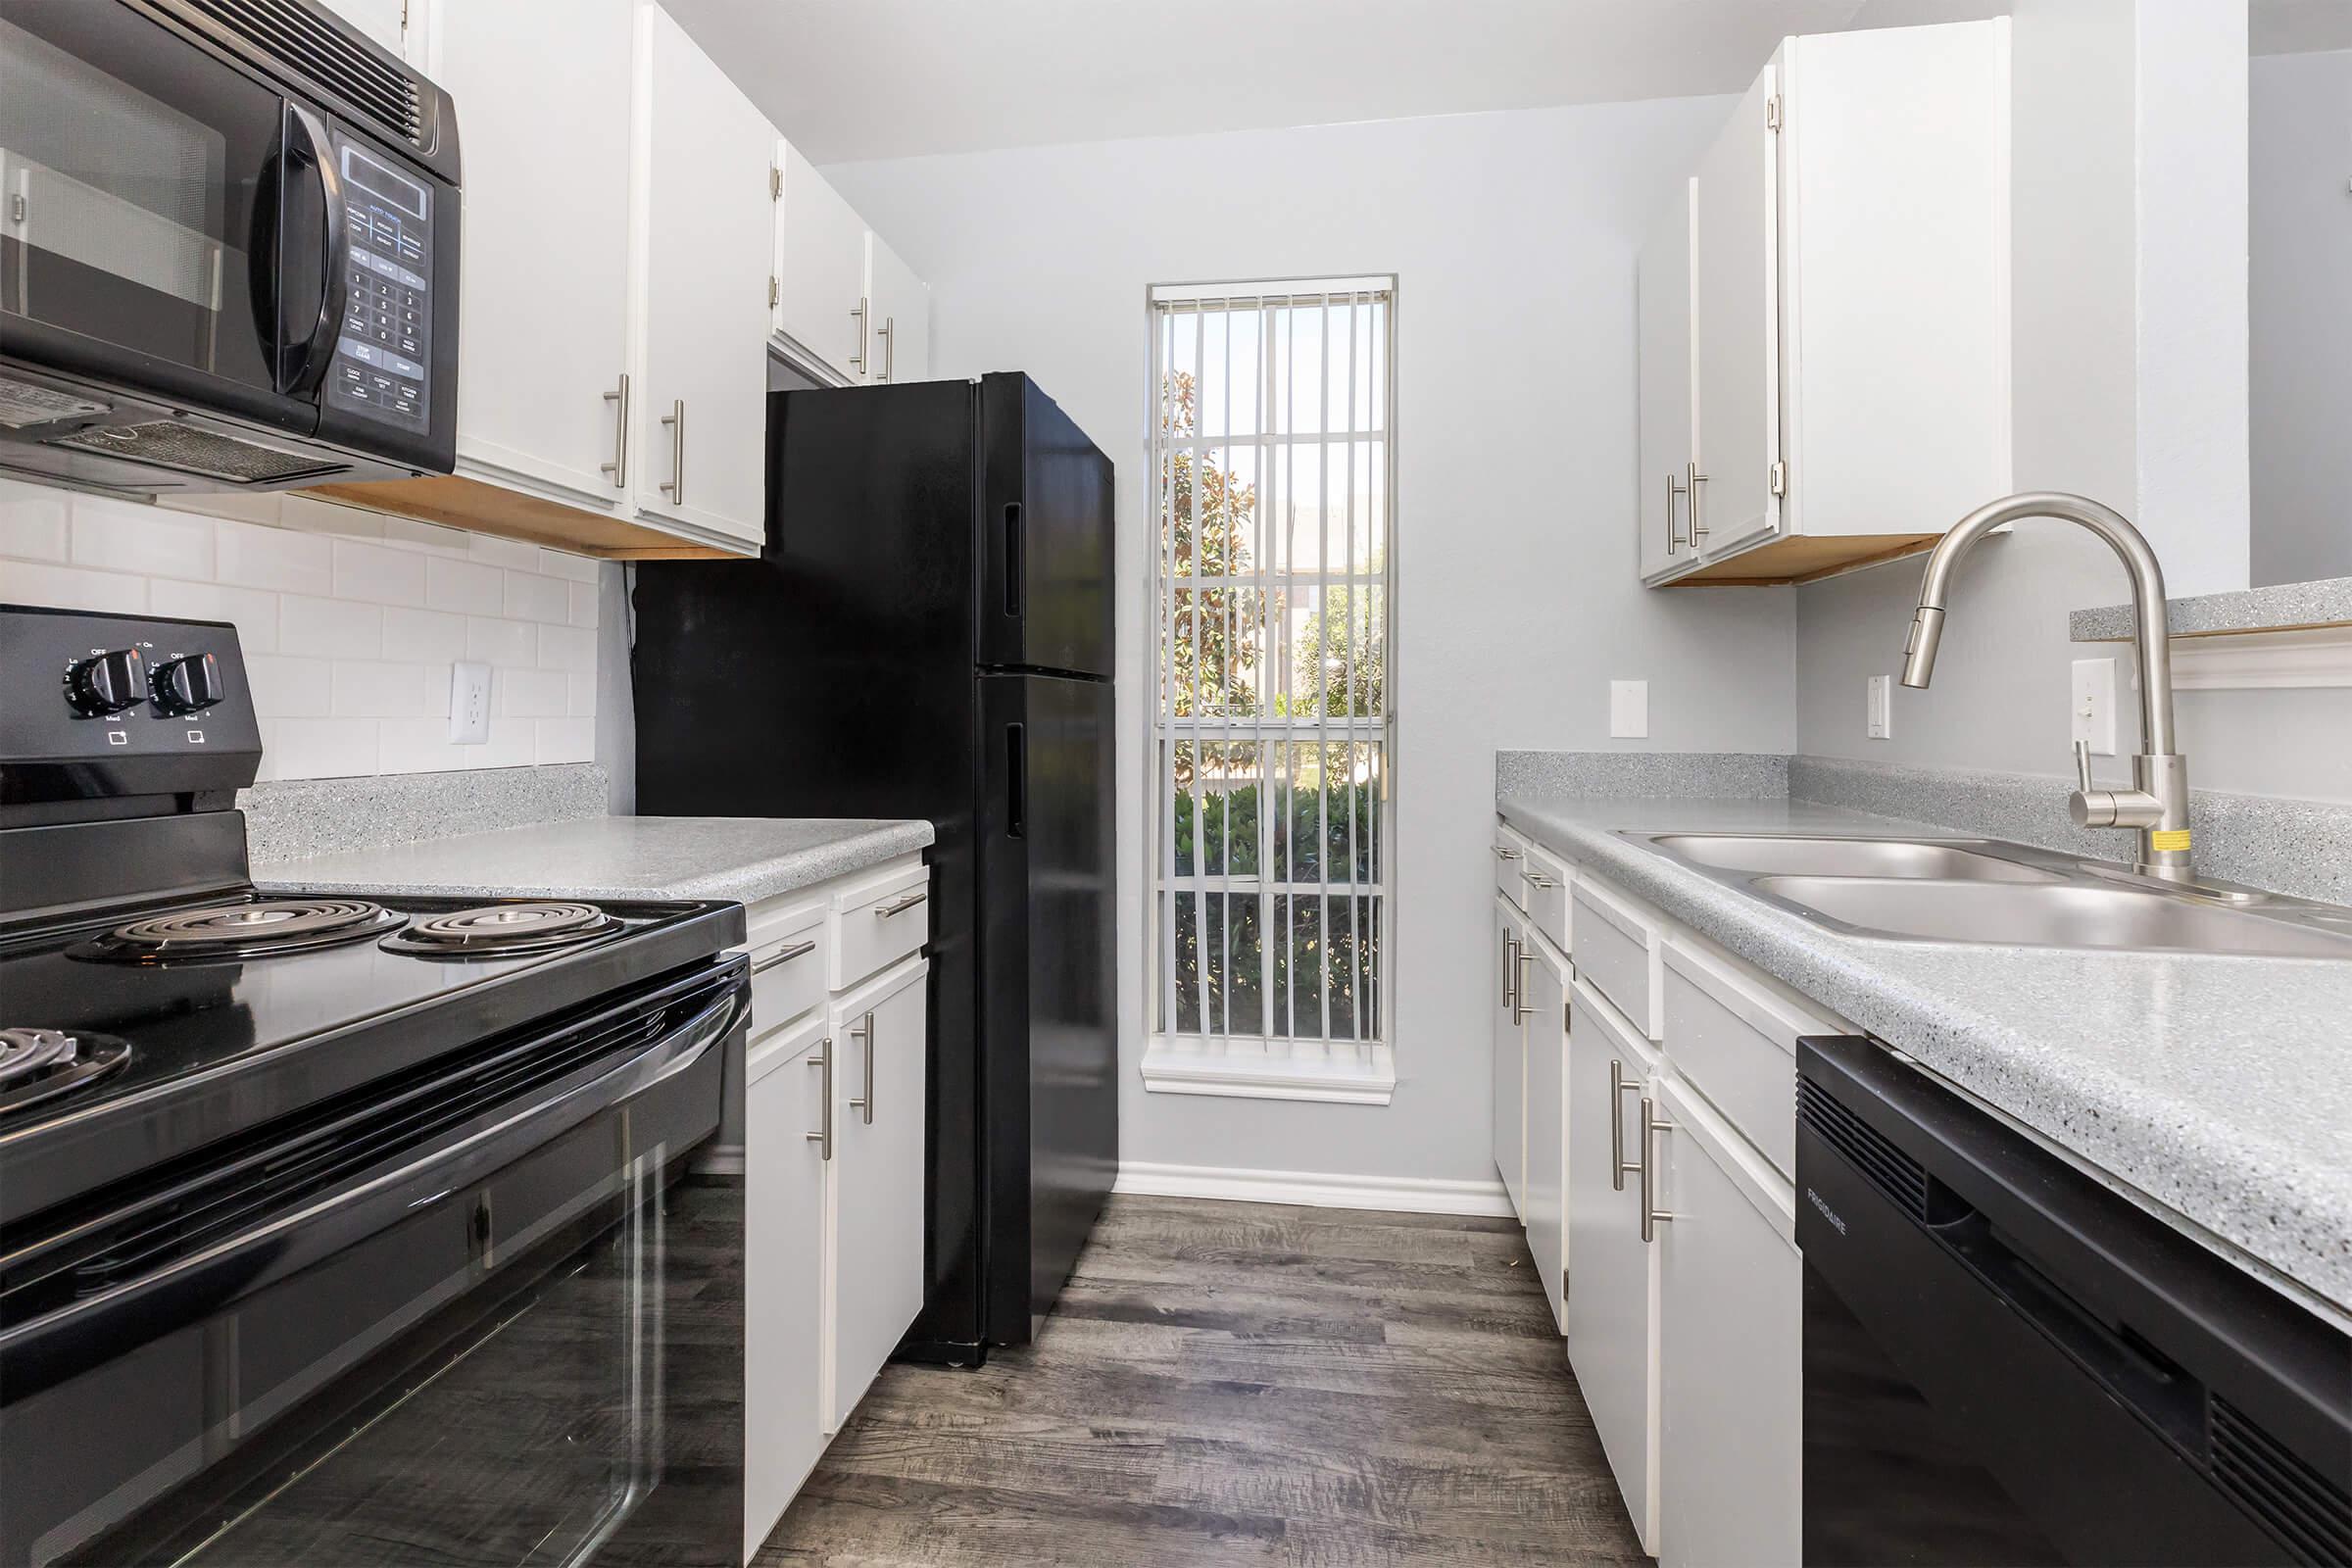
{"points": [[2158, 804]]}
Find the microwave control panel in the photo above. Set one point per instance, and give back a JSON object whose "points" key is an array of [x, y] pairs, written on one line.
{"points": [[380, 369]]}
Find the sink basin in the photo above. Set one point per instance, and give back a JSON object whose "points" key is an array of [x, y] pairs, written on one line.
{"points": [[1778, 855], [2059, 915]]}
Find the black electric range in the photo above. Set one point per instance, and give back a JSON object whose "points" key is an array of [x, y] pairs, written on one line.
{"points": [[332, 1228]]}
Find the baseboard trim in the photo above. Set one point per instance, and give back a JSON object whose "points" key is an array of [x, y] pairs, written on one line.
{"points": [[1398, 1195]]}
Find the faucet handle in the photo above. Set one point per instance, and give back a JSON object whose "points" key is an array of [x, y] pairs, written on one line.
{"points": [[2082, 767]]}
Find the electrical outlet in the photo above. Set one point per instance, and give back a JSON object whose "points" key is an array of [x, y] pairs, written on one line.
{"points": [[2091, 715], [1629, 709], [1878, 713], [468, 703]]}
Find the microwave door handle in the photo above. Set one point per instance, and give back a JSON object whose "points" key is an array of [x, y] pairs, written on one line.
{"points": [[309, 368]]}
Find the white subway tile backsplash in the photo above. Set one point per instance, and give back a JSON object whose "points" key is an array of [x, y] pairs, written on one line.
{"points": [[26, 582], [251, 556], [464, 587], [423, 636], [125, 536], [254, 612], [532, 693], [529, 597], [335, 627], [567, 740], [370, 688], [568, 648], [290, 688], [376, 575], [502, 642], [349, 620]]}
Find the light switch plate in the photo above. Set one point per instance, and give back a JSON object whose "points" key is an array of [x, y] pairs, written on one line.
{"points": [[1629, 709], [1878, 713], [468, 703], [2091, 715]]}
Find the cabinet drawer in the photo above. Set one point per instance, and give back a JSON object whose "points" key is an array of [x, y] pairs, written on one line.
{"points": [[1732, 1034], [1617, 951], [1510, 859], [1549, 882], [787, 946], [879, 920]]}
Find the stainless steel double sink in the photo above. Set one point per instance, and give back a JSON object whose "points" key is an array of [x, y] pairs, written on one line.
{"points": [[1988, 891]]}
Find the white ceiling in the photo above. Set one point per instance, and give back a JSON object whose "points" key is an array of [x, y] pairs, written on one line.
{"points": [[849, 79]]}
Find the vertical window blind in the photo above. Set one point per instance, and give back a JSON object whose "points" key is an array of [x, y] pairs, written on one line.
{"points": [[1272, 460]]}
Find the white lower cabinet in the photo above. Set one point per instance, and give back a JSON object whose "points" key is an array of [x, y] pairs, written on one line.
{"points": [[1510, 1058], [1613, 1308], [784, 1282], [1731, 1330], [877, 1223], [1544, 1011]]}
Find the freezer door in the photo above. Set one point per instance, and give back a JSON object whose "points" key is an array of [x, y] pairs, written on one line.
{"points": [[1049, 1011], [1045, 535]]}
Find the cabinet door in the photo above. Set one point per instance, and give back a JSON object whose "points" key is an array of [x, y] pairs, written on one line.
{"points": [[1734, 250], [1613, 1303], [1510, 1060], [821, 291], [1731, 1328], [1545, 1010], [384, 20], [1665, 370], [701, 425], [784, 1288], [543, 292], [878, 1177], [902, 307]]}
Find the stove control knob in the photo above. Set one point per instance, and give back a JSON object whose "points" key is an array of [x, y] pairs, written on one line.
{"points": [[188, 684], [107, 683]]}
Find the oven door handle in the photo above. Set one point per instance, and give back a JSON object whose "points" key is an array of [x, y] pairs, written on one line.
{"points": [[46, 1349], [306, 363]]}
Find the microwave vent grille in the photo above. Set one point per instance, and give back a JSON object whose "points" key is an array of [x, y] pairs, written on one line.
{"points": [[296, 35], [186, 449]]}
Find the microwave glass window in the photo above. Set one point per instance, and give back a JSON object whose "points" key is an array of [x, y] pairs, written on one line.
{"points": [[131, 167]]}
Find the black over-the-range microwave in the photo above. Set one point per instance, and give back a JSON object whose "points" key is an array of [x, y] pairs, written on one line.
{"points": [[228, 249]]}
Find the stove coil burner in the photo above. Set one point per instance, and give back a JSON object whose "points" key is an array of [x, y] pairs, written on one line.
{"points": [[40, 1064], [243, 930], [502, 930]]}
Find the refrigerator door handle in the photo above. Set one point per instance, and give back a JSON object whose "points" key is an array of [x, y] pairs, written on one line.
{"points": [[1016, 781], [1015, 541]]}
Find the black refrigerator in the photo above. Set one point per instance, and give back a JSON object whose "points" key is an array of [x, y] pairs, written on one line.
{"points": [[928, 633]]}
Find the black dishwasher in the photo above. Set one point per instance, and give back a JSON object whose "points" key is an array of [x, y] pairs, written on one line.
{"points": [[2005, 1362]]}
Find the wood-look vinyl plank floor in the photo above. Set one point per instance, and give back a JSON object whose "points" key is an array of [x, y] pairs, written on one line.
{"points": [[1239, 1384]]}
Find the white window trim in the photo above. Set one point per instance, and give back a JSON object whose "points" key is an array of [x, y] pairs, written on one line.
{"points": [[1243, 1067]]}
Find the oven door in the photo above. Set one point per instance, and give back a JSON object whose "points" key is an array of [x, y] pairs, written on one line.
{"points": [[433, 1326]]}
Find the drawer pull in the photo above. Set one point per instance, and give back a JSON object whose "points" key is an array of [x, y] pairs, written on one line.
{"points": [[1537, 879], [902, 906], [1504, 854], [799, 949]]}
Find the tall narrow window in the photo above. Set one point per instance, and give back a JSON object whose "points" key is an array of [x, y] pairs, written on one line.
{"points": [[1272, 457]]}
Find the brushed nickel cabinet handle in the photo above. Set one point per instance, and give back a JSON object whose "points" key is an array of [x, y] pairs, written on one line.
{"points": [[675, 419], [888, 332], [823, 1136], [858, 359], [1519, 1008], [1619, 1086], [901, 905], [863, 1104], [1698, 512], [799, 949], [1504, 853], [618, 468], [1653, 1124], [1674, 487], [1511, 973]]}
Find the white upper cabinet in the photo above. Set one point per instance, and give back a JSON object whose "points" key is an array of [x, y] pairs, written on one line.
{"points": [[1848, 336], [702, 236], [1665, 440], [544, 302], [388, 22], [823, 301], [901, 303]]}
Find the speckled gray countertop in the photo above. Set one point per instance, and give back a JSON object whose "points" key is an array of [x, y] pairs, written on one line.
{"points": [[2220, 1088], [2284, 606], [746, 858]]}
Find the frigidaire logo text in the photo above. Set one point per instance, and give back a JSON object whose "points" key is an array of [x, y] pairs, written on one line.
{"points": [[1826, 1212]]}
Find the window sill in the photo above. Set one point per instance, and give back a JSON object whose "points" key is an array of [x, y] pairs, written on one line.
{"points": [[1250, 1070]]}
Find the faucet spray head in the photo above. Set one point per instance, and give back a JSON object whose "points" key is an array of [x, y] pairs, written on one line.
{"points": [[1919, 652]]}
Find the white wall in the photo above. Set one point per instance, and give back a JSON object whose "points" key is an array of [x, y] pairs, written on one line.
{"points": [[1513, 238], [2300, 298], [349, 620]]}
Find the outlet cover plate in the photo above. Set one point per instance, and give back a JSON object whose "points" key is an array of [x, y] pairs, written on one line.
{"points": [[468, 703]]}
